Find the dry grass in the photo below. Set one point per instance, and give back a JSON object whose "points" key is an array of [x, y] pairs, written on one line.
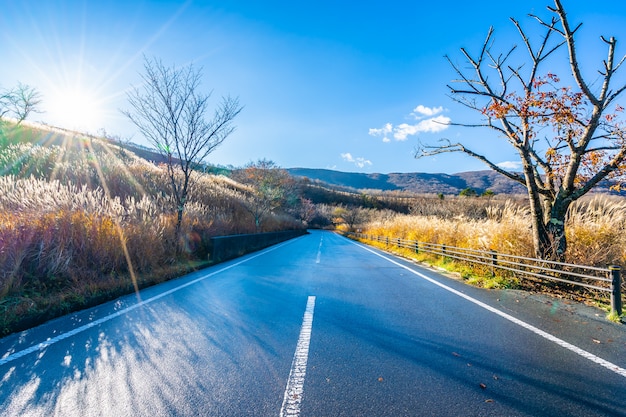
{"points": [[596, 233], [81, 219], [595, 228], [504, 230]]}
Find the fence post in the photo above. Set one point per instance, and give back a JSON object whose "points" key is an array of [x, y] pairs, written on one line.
{"points": [[443, 251], [494, 262], [417, 247], [616, 289], [387, 242]]}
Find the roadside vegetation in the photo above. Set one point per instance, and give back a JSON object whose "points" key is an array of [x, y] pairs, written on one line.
{"points": [[596, 227], [83, 220], [567, 130]]}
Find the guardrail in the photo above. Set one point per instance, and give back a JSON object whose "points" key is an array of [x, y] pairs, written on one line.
{"points": [[591, 279]]}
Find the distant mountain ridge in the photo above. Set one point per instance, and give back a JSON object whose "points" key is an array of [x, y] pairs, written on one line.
{"points": [[420, 183]]}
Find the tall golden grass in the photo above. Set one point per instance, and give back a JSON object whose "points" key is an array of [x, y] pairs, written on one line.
{"points": [[80, 218], [595, 228]]}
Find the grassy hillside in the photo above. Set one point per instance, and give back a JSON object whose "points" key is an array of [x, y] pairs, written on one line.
{"points": [[83, 220]]}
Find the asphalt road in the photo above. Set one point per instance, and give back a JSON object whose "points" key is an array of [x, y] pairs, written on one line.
{"points": [[317, 326]]}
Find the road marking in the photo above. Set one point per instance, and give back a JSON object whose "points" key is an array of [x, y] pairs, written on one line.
{"points": [[587, 355], [319, 251], [11, 357], [295, 383]]}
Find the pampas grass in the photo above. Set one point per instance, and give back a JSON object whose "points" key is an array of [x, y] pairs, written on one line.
{"points": [[595, 229], [80, 217]]}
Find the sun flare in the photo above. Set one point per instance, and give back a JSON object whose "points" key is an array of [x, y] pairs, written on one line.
{"points": [[74, 108]]}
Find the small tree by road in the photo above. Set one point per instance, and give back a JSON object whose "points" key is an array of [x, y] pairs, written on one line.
{"points": [[351, 216], [272, 188], [174, 116], [567, 132]]}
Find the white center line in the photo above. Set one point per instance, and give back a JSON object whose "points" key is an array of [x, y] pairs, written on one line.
{"points": [[587, 355], [295, 383], [319, 251]]}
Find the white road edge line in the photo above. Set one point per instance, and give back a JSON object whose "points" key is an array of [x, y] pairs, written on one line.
{"points": [[11, 357], [587, 355], [295, 383]]}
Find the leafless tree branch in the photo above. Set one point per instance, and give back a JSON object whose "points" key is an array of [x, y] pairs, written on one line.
{"points": [[173, 115]]}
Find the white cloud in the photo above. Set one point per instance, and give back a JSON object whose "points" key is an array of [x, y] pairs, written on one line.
{"points": [[383, 131], [421, 111], [432, 125], [510, 165], [359, 162]]}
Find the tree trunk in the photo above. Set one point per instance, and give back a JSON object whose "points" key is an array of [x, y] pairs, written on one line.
{"points": [[557, 242], [541, 235], [537, 210], [550, 240], [179, 221], [555, 227]]}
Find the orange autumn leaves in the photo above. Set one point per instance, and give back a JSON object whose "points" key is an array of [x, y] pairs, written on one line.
{"points": [[566, 114]]}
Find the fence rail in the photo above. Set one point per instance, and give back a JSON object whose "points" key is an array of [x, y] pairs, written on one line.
{"points": [[590, 279]]}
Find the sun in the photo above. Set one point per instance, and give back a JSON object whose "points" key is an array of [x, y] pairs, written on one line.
{"points": [[74, 109]]}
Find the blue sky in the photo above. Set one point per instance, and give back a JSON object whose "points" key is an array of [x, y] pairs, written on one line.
{"points": [[351, 86]]}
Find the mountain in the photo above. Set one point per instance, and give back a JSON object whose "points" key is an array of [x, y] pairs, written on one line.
{"points": [[420, 183]]}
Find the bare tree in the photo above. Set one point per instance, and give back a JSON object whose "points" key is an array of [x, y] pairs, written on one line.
{"points": [[305, 210], [568, 138], [355, 216], [20, 102], [272, 188], [351, 216], [173, 116]]}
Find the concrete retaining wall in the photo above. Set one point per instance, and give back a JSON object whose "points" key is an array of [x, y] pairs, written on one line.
{"points": [[228, 247]]}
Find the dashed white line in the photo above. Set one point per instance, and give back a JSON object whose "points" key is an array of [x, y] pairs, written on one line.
{"points": [[319, 251], [295, 383], [587, 355]]}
